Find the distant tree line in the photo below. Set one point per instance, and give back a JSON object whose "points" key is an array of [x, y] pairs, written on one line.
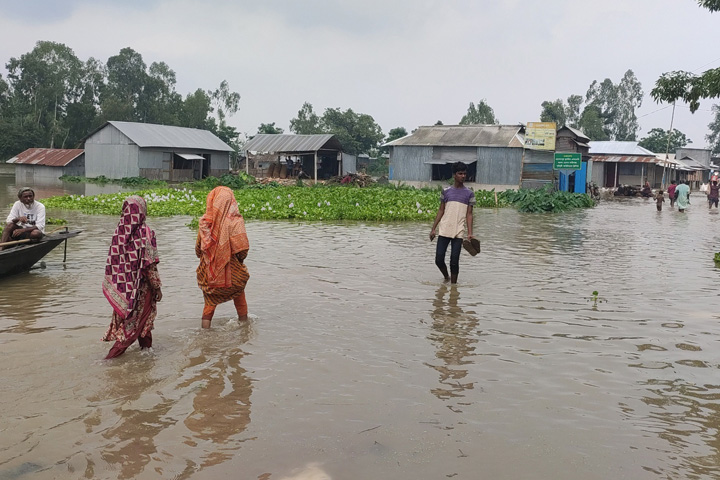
{"points": [[53, 99]]}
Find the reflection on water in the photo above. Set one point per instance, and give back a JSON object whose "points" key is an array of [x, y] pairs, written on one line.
{"points": [[131, 439], [454, 334], [359, 363], [221, 406]]}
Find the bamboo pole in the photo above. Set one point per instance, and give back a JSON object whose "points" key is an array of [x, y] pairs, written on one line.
{"points": [[14, 242]]}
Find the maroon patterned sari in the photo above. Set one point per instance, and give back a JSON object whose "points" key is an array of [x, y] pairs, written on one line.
{"points": [[131, 279]]}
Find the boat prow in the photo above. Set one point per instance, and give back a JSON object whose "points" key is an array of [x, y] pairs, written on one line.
{"points": [[22, 257]]}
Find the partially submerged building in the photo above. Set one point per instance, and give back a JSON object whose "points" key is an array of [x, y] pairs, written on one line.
{"points": [[46, 165], [158, 152], [494, 154], [618, 163], [314, 156]]}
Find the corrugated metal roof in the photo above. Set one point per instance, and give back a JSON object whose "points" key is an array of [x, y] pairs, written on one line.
{"points": [[151, 135], [692, 163], [625, 158], [290, 143], [576, 132], [460, 136], [190, 156], [618, 148], [51, 157]]}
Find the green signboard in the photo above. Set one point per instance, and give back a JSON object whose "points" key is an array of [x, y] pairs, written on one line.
{"points": [[568, 161]]}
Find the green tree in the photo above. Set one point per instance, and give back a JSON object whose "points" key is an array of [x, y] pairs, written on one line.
{"points": [[195, 110], [307, 121], [688, 86], [713, 138], [225, 102], [82, 116], [159, 102], [572, 110], [393, 134], [629, 98], [269, 128], [126, 78], [616, 106], [592, 124], [659, 140], [712, 5], [554, 112], [43, 83], [357, 132], [480, 114]]}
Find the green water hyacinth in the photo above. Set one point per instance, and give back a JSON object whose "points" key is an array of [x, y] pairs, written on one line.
{"points": [[306, 203], [380, 203]]}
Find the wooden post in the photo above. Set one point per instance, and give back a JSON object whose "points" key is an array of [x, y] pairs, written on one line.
{"points": [[315, 166]]}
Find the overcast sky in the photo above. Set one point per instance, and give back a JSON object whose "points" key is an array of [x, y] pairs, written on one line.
{"points": [[404, 62]]}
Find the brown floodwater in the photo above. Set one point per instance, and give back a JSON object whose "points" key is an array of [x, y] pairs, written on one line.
{"points": [[359, 363]]}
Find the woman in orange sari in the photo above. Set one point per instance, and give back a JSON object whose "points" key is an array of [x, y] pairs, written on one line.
{"points": [[222, 245], [131, 283]]}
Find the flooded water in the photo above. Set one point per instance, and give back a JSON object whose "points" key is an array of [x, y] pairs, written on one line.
{"points": [[358, 363]]}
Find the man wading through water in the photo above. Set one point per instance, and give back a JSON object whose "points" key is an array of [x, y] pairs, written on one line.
{"points": [[454, 215]]}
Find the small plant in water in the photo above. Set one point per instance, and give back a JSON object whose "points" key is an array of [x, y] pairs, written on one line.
{"points": [[595, 298], [717, 259]]}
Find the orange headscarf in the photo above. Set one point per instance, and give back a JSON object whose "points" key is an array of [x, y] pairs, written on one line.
{"points": [[222, 234]]}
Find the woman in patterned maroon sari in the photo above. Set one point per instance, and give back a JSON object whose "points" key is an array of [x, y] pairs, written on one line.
{"points": [[131, 283]]}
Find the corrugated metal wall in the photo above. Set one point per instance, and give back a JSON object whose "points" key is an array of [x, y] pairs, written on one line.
{"points": [[113, 161], [499, 165], [108, 152], [220, 162], [538, 169], [408, 163], [349, 163]]}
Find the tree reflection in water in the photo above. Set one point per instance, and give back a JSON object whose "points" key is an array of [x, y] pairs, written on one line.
{"points": [[453, 334]]}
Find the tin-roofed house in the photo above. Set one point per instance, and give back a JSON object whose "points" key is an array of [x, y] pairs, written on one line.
{"points": [[493, 154], [311, 156], [698, 161], [45, 165], [158, 152], [617, 163]]}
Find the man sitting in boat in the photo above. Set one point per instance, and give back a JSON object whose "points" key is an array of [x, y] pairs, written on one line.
{"points": [[26, 219]]}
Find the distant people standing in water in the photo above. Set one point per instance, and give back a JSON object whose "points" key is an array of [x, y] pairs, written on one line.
{"points": [[132, 283], [671, 193], [453, 218], [222, 245], [683, 196], [26, 219], [713, 194], [659, 199]]}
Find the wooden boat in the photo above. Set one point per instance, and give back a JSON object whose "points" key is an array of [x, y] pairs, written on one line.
{"points": [[25, 254]]}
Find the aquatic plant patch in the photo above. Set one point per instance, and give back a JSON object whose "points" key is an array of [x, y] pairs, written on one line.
{"points": [[320, 202], [308, 203]]}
